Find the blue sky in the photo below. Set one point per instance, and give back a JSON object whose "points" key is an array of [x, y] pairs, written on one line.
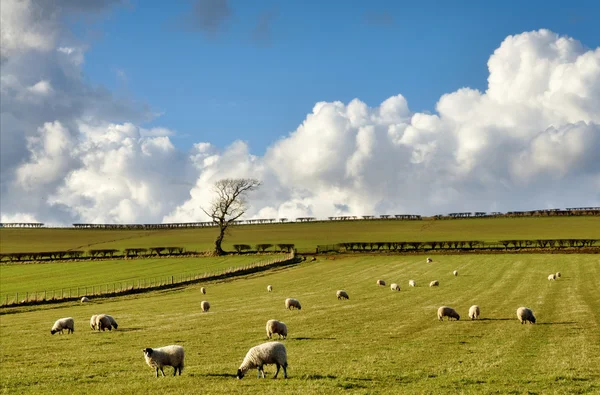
{"points": [[225, 84]]}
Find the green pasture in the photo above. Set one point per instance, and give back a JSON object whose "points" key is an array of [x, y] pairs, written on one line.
{"points": [[306, 236], [56, 276], [376, 342]]}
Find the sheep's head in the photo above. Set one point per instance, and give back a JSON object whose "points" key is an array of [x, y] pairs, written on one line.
{"points": [[52, 332], [148, 351], [240, 374]]}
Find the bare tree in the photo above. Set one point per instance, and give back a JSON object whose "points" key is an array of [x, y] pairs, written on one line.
{"points": [[229, 204]]}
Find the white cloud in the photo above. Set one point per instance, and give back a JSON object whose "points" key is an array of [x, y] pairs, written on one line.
{"points": [[531, 140]]}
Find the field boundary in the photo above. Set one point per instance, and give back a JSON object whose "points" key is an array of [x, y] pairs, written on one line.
{"points": [[129, 287]]}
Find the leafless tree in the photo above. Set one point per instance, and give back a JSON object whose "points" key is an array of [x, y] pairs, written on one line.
{"points": [[229, 204]]}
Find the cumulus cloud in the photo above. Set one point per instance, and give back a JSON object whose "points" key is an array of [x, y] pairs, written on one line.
{"points": [[531, 140]]}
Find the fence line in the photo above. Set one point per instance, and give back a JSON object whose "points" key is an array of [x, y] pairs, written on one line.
{"points": [[137, 285]]}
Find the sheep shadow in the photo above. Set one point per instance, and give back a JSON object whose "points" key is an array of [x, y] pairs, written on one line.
{"points": [[495, 319], [557, 323], [127, 329], [318, 377], [227, 375], [314, 338]]}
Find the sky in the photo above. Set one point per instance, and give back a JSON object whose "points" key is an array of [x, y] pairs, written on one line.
{"points": [[129, 111]]}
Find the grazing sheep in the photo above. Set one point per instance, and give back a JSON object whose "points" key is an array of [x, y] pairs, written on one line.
{"points": [[412, 283], [395, 287], [557, 274], [455, 272], [449, 312], [525, 314], [276, 327], [552, 276], [264, 354], [103, 322], [205, 306], [84, 299], [269, 288], [434, 283], [341, 294], [381, 282], [60, 325], [112, 321], [429, 260], [313, 259], [93, 322], [474, 312], [165, 356], [203, 290], [291, 302]]}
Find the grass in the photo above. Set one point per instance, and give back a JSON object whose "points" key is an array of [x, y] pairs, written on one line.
{"points": [[379, 341], [306, 236], [54, 276]]}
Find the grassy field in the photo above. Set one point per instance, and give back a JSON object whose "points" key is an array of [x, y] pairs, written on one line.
{"points": [[379, 341], [306, 236], [71, 275]]}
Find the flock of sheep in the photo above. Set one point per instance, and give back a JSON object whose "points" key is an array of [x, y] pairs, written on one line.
{"points": [[271, 352]]}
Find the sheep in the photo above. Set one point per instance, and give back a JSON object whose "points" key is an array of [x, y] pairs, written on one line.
{"points": [[525, 314], [429, 260], [552, 277], [474, 312], [434, 283], [412, 283], [455, 273], [93, 322], [165, 356], [558, 274], [61, 324], [264, 354], [103, 322], [112, 321], [395, 287], [205, 306], [291, 302], [341, 294], [276, 327], [269, 288], [381, 282], [203, 291], [84, 299], [449, 312]]}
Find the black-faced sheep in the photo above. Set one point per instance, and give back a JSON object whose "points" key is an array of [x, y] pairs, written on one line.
{"points": [[449, 312], [112, 321], [395, 287], [103, 322], [434, 283], [205, 306], [165, 356], [552, 276], [525, 314], [558, 274], [412, 283], [429, 260], [203, 291], [264, 354], [60, 325], [474, 312], [269, 288], [292, 303], [455, 272], [278, 328], [341, 294], [381, 282], [85, 299]]}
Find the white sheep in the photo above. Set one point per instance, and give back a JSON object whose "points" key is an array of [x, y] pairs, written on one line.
{"points": [[165, 356], [525, 314], [552, 276], [84, 299], [264, 354], [395, 287], [291, 302], [429, 260], [434, 283], [203, 291], [449, 312], [455, 273], [93, 322], [269, 288], [381, 282], [341, 294], [103, 322], [205, 306], [276, 327], [61, 324], [112, 321], [558, 274], [474, 312], [412, 283]]}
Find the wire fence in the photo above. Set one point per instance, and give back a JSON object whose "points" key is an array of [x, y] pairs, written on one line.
{"points": [[136, 285]]}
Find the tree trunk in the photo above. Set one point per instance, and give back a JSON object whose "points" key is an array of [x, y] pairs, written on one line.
{"points": [[218, 250]]}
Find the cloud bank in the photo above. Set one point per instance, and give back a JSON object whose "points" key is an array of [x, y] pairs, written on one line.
{"points": [[73, 153]]}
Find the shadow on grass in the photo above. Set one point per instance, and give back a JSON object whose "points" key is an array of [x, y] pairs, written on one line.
{"points": [[496, 319], [557, 323], [128, 329], [313, 338], [318, 377], [228, 375]]}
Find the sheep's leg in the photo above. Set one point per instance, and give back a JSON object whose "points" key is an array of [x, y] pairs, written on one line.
{"points": [[285, 370], [277, 372], [162, 371], [258, 371], [156, 372], [174, 370]]}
